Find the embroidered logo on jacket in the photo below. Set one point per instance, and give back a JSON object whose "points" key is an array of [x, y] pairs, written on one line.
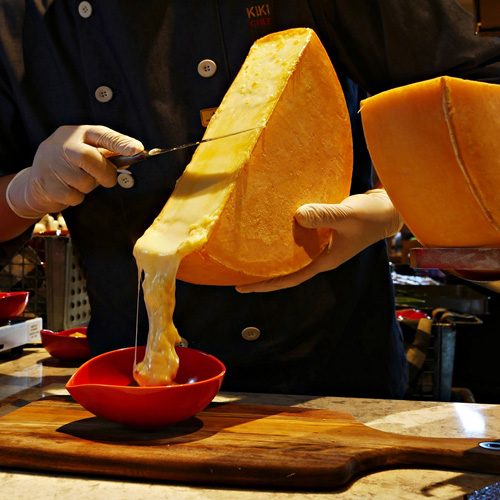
{"points": [[259, 15]]}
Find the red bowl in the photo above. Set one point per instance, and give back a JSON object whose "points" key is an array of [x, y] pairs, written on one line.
{"points": [[62, 345], [411, 314], [12, 304], [102, 386], [53, 232]]}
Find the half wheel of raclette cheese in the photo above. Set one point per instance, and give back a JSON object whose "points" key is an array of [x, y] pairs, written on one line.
{"points": [[231, 216], [435, 147]]}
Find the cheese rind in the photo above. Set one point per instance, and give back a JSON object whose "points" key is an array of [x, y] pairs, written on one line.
{"points": [[434, 147]]}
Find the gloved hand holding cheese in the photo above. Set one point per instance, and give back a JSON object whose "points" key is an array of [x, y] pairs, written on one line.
{"points": [[66, 167], [357, 222], [230, 219]]}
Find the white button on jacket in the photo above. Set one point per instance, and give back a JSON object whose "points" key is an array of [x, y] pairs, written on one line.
{"points": [[85, 9], [183, 342], [125, 179], [250, 333], [103, 93], [207, 68]]}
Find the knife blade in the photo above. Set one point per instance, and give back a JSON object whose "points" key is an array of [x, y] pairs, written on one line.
{"points": [[122, 161]]}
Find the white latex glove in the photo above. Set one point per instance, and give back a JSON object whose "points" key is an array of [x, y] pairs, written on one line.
{"points": [[357, 222], [67, 166]]}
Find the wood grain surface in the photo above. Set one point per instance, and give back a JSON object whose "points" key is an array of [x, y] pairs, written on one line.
{"points": [[226, 444]]}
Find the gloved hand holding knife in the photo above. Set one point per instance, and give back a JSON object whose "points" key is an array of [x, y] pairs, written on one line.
{"points": [[67, 166], [72, 162]]}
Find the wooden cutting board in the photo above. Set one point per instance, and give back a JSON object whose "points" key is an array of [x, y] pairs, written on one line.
{"points": [[227, 444]]}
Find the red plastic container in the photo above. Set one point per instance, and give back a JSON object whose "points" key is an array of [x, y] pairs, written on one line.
{"points": [[102, 386], [12, 304], [65, 346], [411, 314]]}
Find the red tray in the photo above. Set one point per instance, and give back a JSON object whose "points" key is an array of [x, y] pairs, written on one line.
{"points": [[481, 264]]}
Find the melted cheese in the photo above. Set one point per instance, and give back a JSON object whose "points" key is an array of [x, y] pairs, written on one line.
{"points": [[194, 209]]}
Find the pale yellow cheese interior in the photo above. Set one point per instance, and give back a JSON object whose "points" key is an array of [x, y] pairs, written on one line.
{"points": [[200, 194]]}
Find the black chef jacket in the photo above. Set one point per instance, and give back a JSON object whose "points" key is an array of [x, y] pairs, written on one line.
{"points": [[133, 66]]}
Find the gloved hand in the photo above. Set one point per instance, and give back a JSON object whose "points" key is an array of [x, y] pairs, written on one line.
{"points": [[357, 222], [67, 166]]}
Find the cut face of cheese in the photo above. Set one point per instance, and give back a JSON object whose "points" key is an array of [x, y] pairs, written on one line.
{"points": [[435, 148], [230, 219], [231, 213]]}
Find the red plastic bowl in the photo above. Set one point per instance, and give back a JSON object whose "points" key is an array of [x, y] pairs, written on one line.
{"points": [[62, 345], [102, 386], [411, 314], [12, 304]]}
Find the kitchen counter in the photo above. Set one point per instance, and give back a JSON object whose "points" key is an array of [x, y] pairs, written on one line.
{"points": [[34, 375]]}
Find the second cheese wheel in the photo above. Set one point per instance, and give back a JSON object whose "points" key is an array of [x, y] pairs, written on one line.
{"points": [[435, 147]]}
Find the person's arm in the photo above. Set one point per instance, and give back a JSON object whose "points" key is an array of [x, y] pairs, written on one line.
{"points": [[67, 166], [10, 224]]}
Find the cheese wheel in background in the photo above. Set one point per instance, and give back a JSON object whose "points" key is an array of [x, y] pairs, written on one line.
{"points": [[231, 215], [436, 148]]}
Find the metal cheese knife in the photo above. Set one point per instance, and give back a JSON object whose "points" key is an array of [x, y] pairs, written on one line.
{"points": [[124, 161]]}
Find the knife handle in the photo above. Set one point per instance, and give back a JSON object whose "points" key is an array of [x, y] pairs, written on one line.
{"points": [[121, 161]]}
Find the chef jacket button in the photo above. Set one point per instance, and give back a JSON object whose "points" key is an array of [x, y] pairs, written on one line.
{"points": [[183, 342], [250, 333], [125, 179], [85, 9], [103, 93], [207, 68]]}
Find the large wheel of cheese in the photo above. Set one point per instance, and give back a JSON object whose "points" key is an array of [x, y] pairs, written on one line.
{"points": [[436, 150], [303, 154]]}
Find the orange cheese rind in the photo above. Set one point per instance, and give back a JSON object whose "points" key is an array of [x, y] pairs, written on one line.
{"points": [[435, 149]]}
